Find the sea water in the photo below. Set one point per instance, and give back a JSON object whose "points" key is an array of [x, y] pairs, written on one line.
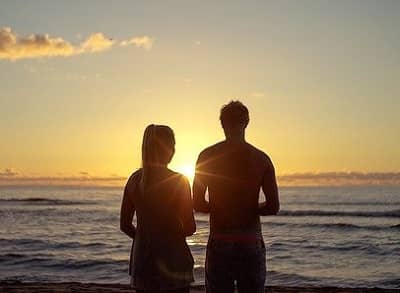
{"points": [[323, 236]]}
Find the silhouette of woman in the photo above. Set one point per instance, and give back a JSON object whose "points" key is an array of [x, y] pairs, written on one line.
{"points": [[160, 258]]}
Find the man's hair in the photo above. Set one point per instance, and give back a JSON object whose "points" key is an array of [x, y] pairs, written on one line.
{"points": [[234, 114]]}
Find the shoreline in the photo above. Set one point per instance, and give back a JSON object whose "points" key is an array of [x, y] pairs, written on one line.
{"points": [[43, 287]]}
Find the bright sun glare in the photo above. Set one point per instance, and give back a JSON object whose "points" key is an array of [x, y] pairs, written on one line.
{"points": [[187, 170]]}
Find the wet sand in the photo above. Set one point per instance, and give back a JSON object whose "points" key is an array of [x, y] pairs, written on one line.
{"points": [[111, 288]]}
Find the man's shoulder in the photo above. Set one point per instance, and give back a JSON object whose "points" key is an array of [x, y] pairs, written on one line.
{"points": [[260, 153], [211, 149]]}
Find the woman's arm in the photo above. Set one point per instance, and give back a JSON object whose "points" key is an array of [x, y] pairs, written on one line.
{"points": [[186, 208], [127, 212]]}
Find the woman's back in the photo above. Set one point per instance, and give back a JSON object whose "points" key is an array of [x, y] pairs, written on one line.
{"points": [[161, 257]]}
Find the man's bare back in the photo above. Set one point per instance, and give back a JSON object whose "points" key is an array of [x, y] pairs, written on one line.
{"points": [[234, 172]]}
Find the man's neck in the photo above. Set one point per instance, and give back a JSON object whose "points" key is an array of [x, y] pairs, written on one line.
{"points": [[239, 137]]}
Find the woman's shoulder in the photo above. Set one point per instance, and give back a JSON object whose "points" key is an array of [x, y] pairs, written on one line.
{"points": [[178, 177], [135, 176]]}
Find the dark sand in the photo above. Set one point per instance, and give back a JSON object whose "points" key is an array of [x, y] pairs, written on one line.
{"points": [[108, 288]]}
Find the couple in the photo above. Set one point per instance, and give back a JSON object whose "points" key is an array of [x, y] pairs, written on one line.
{"points": [[233, 172]]}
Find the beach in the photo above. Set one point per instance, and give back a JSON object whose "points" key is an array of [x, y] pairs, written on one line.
{"points": [[109, 288]]}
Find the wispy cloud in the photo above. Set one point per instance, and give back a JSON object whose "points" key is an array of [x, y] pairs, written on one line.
{"points": [[82, 179], [144, 42], [14, 47], [340, 178], [7, 173]]}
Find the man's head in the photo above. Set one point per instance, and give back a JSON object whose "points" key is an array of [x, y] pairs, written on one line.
{"points": [[234, 118]]}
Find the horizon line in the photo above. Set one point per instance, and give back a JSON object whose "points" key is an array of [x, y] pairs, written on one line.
{"points": [[8, 178]]}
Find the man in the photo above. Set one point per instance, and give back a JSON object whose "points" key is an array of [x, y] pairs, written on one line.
{"points": [[233, 171]]}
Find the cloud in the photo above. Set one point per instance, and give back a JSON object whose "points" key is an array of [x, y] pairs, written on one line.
{"points": [[14, 47], [144, 42], [96, 43], [340, 179], [8, 172], [82, 179]]}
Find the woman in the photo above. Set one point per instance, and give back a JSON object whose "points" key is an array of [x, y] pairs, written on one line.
{"points": [[161, 198]]}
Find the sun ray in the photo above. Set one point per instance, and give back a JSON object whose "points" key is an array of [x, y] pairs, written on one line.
{"points": [[188, 171]]}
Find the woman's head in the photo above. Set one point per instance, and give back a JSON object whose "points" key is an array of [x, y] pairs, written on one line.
{"points": [[158, 146]]}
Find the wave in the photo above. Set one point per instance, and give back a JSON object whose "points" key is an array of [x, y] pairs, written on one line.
{"points": [[290, 279], [45, 244], [346, 226], [319, 213], [285, 249], [46, 261], [341, 203], [44, 201]]}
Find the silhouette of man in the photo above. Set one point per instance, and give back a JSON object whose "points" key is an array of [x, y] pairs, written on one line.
{"points": [[233, 171]]}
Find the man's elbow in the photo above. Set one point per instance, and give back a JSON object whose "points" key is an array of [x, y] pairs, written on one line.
{"points": [[275, 209]]}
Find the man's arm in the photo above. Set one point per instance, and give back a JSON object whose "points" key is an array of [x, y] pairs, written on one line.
{"points": [[200, 187], [270, 189], [127, 213]]}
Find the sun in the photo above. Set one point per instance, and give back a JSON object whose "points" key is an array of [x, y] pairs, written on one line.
{"points": [[187, 170]]}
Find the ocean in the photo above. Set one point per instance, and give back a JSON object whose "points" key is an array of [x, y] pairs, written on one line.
{"points": [[323, 236]]}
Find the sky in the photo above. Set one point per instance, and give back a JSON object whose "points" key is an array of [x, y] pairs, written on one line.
{"points": [[80, 81]]}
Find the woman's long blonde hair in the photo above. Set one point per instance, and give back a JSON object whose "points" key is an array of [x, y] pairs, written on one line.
{"points": [[157, 150]]}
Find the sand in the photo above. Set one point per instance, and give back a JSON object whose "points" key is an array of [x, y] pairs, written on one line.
{"points": [[109, 288]]}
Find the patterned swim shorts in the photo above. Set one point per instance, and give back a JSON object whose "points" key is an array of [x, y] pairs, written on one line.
{"points": [[230, 261]]}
